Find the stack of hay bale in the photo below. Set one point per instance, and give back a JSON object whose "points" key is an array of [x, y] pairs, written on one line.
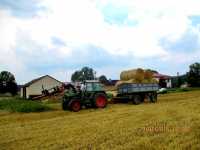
{"points": [[136, 76]]}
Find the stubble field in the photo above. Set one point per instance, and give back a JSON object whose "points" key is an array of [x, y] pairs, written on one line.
{"points": [[171, 123]]}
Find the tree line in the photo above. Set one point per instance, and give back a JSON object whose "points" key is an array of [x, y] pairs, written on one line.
{"points": [[192, 77], [8, 83]]}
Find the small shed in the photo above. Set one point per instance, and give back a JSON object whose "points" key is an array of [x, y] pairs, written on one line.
{"points": [[36, 86]]}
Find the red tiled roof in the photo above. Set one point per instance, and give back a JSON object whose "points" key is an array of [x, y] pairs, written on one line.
{"points": [[161, 76]]}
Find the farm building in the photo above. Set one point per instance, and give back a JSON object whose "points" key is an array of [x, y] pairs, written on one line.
{"points": [[36, 86], [164, 80]]}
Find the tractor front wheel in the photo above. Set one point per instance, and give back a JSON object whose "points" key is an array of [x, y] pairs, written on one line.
{"points": [[74, 105], [100, 101]]}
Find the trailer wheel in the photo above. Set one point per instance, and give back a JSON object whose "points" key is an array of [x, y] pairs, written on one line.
{"points": [[153, 97], [100, 100], [137, 99], [75, 105]]}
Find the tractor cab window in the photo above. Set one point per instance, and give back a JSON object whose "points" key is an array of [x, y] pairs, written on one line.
{"points": [[94, 87]]}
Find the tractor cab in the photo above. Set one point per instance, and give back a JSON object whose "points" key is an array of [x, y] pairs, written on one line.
{"points": [[92, 85], [89, 93]]}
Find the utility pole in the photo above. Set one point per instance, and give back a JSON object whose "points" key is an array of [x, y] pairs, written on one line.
{"points": [[95, 75]]}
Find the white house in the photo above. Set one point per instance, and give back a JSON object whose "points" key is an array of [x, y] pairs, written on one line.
{"points": [[164, 80], [36, 86]]}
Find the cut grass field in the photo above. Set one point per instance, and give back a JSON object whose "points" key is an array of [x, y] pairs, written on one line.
{"points": [[171, 123]]}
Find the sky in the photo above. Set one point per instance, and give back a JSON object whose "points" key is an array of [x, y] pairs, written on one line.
{"points": [[58, 37]]}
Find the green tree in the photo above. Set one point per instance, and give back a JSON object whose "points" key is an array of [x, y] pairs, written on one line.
{"points": [[193, 75], [177, 81], [85, 73], [103, 79], [7, 83]]}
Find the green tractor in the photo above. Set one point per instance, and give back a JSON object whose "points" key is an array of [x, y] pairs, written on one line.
{"points": [[89, 94]]}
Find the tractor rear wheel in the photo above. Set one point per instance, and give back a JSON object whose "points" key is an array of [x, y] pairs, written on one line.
{"points": [[75, 105], [137, 99], [100, 100]]}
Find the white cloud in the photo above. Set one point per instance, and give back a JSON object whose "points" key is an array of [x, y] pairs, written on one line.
{"points": [[8, 58], [80, 23], [181, 58], [109, 72], [62, 75], [157, 18], [7, 31]]}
